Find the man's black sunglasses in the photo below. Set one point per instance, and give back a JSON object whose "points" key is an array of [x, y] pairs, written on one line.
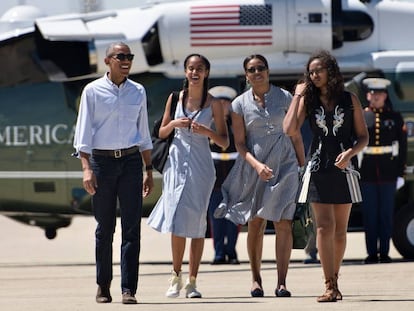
{"points": [[122, 56]]}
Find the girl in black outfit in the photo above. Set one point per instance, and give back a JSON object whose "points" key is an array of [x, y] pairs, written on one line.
{"points": [[339, 133]]}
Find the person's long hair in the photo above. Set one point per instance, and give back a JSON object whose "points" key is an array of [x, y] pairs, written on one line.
{"points": [[205, 82], [335, 85]]}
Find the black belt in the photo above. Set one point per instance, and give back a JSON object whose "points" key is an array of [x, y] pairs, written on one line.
{"points": [[115, 153]]}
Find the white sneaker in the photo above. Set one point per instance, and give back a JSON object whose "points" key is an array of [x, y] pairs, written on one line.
{"points": [[176, 284], [191, 289]]}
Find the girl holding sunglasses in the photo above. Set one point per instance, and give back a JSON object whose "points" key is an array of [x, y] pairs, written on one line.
{"points": [[189, 174]]}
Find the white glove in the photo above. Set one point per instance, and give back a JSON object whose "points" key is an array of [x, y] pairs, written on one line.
{"points": [[400, 183]]}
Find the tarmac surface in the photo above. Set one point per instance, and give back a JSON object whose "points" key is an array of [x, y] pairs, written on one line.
{"points": [[40, 274]]}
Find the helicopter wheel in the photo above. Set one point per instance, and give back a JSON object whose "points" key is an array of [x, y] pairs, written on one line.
{"points": [[50, 233]]}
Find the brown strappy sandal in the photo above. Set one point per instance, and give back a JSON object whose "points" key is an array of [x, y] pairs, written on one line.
{"points": [[330, 292], [338, 293]]}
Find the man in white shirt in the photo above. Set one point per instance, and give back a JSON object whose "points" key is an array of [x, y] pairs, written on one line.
{"points": [[112, 139]]}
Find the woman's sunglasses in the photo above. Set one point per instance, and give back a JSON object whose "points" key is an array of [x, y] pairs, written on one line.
{"points": [[258, 69]]}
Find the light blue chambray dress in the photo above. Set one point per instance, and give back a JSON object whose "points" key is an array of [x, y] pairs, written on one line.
{"points": [[188, 179], [245, 194]]}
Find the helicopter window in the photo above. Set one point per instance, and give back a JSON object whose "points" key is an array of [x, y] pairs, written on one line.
{"points": [[151, 46], [356, 25], [349, 25]]}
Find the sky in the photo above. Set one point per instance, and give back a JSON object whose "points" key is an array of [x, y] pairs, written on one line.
{"points": [[70, 6]]}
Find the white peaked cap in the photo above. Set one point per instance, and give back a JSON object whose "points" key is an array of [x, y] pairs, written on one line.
{"points": [[376, 84], [225, 92]]}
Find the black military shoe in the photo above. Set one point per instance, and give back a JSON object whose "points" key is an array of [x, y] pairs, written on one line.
{"points": [[371, 259], [385, 259]]}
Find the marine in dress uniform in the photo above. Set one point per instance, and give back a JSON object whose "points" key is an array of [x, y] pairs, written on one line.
{"points": [[383, 162]]}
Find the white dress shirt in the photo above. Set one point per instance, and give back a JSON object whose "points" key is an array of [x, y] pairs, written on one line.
{"points": [[112, 117]]}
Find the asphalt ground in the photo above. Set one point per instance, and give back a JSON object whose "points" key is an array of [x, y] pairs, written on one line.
{"points": [[59, 274]]}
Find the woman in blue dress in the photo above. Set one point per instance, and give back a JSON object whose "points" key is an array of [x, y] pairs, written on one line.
{"points": [[189, 173], [266, 171], [339, 133]]}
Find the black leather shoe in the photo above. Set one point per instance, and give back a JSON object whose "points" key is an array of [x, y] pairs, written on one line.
{"points": [[103, 295], [371, 259], [385, 259], [219, 261], [234, 261], [128, 299]]}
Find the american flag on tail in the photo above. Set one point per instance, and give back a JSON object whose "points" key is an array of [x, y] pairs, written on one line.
{"points": [[231, 25]]}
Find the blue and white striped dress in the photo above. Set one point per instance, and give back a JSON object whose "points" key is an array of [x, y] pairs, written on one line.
{"points": [[245, 194], [188, 179]]}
